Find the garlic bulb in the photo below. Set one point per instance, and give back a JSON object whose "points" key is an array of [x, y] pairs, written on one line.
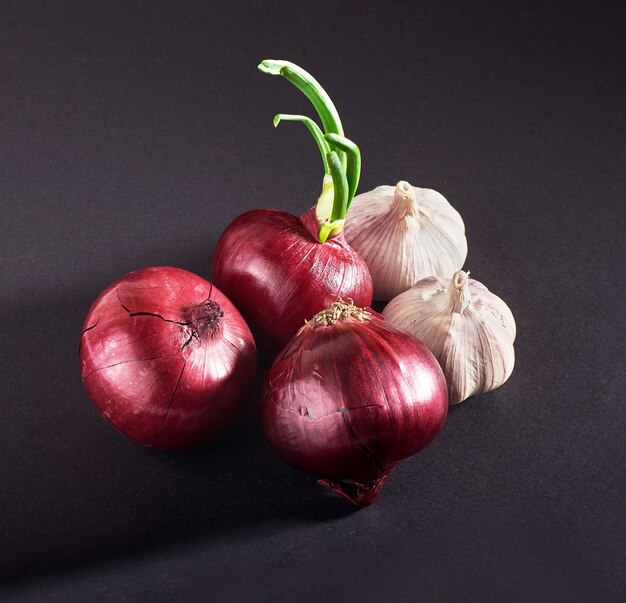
{"points": [[405, 234], [467, 328]]}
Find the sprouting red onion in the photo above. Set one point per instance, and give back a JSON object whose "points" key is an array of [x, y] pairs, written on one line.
{"points": [[166, 358], [350, 397], [274, 268], [280, 270]]}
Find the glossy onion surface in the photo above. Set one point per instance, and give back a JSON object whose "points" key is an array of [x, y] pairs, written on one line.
{"points": [[272, 266], [350, 400], [166, 358]]}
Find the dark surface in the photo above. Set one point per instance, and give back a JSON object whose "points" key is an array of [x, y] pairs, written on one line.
{"points": [[131, 135]]}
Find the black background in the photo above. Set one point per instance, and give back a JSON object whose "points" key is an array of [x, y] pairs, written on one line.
{"points": [[132, 133]]}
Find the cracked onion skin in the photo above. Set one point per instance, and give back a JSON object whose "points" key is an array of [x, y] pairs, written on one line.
{"points": [[272, 265], [166, 358], [350, 400]]}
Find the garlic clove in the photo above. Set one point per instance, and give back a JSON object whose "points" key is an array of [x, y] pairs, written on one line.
{"points": [[467, 328], [405, 233]]}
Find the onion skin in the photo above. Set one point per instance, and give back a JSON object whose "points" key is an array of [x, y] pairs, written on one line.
{"points": [[272, 266], [166, 358], [350, 400]]}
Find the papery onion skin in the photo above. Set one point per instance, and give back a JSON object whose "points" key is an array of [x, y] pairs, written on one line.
{"points": [[272, 265], [350, 400], [166, 357]]}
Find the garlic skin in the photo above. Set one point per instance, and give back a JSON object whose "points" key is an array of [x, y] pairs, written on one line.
{"points": [[467, 328], [405, 233]]}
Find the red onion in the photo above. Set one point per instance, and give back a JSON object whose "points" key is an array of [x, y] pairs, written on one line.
{"points": [[272, 266], [166, 357], [350, 397], [280, 270]]}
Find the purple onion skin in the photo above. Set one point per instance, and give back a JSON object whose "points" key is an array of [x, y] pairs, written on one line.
{"points": [[349, 401], [274, 269], [166, 358]]}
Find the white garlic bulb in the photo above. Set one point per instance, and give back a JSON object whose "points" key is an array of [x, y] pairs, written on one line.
{"points": [[467, 328], [405, 234]]}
